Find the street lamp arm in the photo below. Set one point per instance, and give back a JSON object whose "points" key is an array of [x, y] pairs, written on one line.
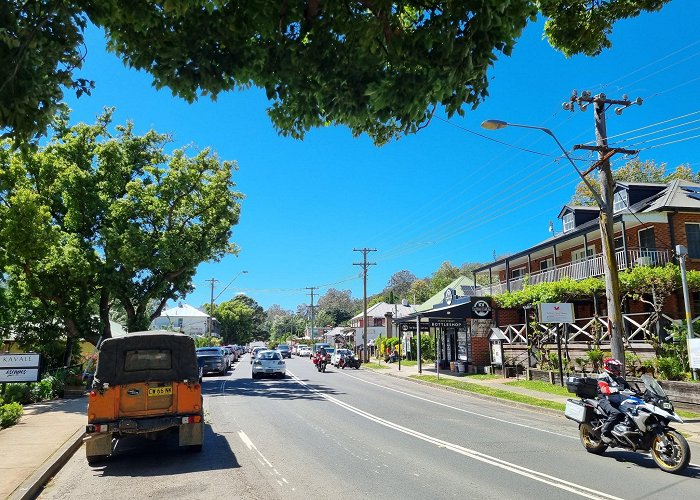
{"points": [[229, 284], [499, 124]]}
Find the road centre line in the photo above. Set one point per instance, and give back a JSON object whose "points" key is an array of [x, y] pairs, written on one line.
{"points": [[482, 457], [461, 409]]}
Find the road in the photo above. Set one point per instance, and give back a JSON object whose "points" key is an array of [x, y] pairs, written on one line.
{"points": [[367, 435]]}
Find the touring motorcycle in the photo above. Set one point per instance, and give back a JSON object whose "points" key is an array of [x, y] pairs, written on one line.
{"points": [[645, 428]]}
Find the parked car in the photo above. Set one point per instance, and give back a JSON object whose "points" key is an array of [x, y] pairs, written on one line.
{"points": [[304, 351], [284, 350], [214, 360], [318, 345], [234, 353], [338, 354], [146, 383], [269, 362]]}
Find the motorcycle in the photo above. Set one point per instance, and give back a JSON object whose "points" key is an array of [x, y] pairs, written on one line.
{"points": [[645, 428], [320, 362], [349, 360]]}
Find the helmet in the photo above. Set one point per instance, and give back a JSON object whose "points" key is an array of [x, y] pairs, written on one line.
{"points": [[612, 366]]}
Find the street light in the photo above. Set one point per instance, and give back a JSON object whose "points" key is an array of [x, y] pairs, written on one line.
{"points": [[612, 283]]}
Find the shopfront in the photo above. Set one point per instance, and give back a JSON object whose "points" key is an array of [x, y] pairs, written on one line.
{"points": [[457, 325]]}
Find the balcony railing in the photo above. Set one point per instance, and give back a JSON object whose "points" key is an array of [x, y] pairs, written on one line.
{"points": [[590, 268]]}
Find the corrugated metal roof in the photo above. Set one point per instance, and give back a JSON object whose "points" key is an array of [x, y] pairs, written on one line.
{"points": [[379, 310], [184, 310], [439, 297]]}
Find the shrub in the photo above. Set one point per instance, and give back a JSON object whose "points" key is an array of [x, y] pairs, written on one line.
{"points": [[671, 368], [18, 393], [632, 363], [10, 414], [596, 356]]}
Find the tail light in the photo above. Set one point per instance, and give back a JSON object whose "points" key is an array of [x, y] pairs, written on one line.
{"points": [[192, 419]]}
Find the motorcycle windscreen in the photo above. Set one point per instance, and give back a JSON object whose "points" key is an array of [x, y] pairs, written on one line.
{"points": [[653, 386]]}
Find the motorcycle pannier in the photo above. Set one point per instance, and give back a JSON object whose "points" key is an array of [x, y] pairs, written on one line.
{"points": [[583, 387], [577, 411]]}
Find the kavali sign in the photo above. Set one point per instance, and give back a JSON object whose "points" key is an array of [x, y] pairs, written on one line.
{"points": [[19, 367]]}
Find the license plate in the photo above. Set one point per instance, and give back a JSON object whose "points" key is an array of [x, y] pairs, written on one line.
{"points": [[268, 371], [160, 391]]}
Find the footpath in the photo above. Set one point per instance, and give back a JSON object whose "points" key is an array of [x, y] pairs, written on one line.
{"points": [[50, 432]]}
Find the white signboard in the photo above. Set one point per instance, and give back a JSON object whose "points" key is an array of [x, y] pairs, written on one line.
{"points": [[561, 312], [694, 352], [19, 367], [10, 375], [19, 360]]}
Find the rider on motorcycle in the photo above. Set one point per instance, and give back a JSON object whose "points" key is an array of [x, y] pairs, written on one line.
{"points": [[610, 383], [321, 354]]}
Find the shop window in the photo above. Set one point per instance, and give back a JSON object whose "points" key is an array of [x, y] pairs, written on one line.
{"points": [[692, 235]]}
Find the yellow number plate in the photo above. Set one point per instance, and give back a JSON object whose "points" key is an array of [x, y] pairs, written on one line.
{"points": [[160, 391]]}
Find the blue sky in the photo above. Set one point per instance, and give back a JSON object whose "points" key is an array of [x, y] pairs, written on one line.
{"points": [[445, 194]]}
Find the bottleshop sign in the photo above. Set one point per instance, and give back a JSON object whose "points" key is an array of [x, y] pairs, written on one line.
{"points": [[19, 367]]}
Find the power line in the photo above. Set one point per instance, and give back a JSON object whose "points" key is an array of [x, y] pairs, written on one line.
{"points": [[365, 265]]}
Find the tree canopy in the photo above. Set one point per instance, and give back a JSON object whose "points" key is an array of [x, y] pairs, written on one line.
{"points": [[635, 171], [96, 217], [378, 67]]}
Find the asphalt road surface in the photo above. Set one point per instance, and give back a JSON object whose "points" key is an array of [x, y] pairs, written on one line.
{"points": [[361, 434]]}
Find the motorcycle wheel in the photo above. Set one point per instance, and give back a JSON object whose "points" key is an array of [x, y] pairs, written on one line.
{"points": [[590, 440], [323, 368], [674, 457]]}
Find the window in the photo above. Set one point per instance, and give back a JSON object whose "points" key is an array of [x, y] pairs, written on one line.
{"points": [[148, 359], [546, 264], [646, 239], [620, 201], [619, 243], [692, 234], [568, 222], [378, 321], [580, 255], [179, 322], [517, 273]]}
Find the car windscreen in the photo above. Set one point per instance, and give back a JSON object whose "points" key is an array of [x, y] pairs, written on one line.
{"points": [[269, 355], [149, 359]]}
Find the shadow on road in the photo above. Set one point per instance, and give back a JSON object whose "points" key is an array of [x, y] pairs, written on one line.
{"points": [[645, 460], [285, 388], [136, 456]]}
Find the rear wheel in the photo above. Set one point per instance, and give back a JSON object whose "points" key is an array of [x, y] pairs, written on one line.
{"points": [[673, 455], [590, 439]]}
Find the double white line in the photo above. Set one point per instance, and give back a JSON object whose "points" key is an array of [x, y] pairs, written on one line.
{"points": [[556, 482]]}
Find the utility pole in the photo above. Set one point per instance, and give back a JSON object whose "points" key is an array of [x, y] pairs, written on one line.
{"points": [[364, 265], [210, 322], [607, 235], [312, 288]]}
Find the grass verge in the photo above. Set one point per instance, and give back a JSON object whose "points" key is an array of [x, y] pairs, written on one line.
{"points": [[374, 366], [538, 385], [491, 391]]}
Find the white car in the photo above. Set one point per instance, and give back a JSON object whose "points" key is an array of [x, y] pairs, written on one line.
{"points": [[335, 359], [304, 351], [269, 362]]}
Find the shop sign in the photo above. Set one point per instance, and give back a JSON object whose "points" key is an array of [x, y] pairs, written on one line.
{"points": [[411, 327], [19, 367], [449, 296], [481, 307], [445, 323]]}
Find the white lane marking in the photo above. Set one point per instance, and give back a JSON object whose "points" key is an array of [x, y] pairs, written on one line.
{"points": [[246, 440], [482, 457], [461, 409]]}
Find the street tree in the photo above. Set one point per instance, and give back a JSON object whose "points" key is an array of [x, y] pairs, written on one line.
{"points": [[337, 307], [238, 320], [97, 216], [380, 68], [400, 284]]}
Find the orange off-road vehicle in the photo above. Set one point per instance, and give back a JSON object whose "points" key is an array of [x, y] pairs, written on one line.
{"points": [[145, 383]]}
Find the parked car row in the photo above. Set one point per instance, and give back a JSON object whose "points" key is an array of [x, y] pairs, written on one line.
{"points": [[217, 359]]}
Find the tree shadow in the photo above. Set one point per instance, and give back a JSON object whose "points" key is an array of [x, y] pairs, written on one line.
{"points": [[646, 461]]}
